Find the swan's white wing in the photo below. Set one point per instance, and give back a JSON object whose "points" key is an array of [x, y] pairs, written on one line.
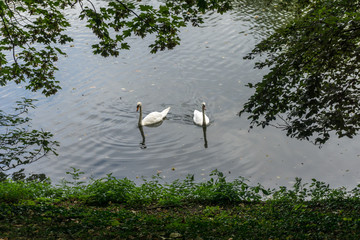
{"points": [[155, 117], [198, 117], [152, 118], [165, 112], [207, 121]]}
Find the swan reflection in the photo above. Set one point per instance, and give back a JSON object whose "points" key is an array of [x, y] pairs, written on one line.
{"points": [[205, 140], [141, 129], [142, 144]]}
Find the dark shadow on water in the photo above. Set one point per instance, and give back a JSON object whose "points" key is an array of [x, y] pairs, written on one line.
{"points": [[21, 176]]}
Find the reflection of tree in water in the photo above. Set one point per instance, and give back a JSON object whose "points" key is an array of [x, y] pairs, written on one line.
{"points": [[264, 15], [21, 145]]}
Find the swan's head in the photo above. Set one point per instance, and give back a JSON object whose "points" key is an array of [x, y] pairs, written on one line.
{"points": [[138, 105], [203, 105]]}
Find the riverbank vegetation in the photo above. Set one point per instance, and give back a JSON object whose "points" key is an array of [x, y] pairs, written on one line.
{"points": [[184, 209]]}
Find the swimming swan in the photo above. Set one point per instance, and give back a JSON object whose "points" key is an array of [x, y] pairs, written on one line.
{"points": [[200, 118], [151, 118]]}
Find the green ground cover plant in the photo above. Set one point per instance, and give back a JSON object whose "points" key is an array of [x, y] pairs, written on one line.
{"points": [[112, 208]]}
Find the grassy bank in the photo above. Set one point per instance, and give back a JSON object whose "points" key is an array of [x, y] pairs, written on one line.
{"points": [[111, 208]]}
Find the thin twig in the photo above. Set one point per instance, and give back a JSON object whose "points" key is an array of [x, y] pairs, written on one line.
{"points": [[92, 5], [9, 36], [130, 10]]}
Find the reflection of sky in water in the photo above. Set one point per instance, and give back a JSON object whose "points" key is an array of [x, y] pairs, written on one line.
{"points": [[94, 115]]}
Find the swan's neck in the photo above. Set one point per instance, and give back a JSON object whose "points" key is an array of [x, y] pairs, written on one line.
{"points": [[140, 116], [203, 113]]}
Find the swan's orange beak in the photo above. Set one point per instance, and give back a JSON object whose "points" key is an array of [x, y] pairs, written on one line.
{"points": [[137, 108]]}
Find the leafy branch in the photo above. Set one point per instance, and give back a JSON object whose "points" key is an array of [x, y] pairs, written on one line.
{"points": [[314, 68], [33, 30]]}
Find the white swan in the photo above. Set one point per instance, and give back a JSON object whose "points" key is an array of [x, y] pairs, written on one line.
{"points": [[151, 118], [200, 118]]}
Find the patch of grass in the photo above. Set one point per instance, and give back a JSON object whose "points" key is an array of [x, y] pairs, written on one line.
{"points": [[113, 208]]}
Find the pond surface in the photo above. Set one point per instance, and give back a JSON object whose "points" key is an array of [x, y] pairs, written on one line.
{"points": [[95, 120]]}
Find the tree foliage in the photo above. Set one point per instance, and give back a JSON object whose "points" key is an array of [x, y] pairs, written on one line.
{"points": [[312, 87], [31, 32]]}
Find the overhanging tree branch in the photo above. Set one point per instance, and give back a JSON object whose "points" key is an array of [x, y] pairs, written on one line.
{"points": [[311, 74]]}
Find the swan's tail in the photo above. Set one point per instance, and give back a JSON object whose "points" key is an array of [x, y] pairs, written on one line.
{"points": [[165, 112]]}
